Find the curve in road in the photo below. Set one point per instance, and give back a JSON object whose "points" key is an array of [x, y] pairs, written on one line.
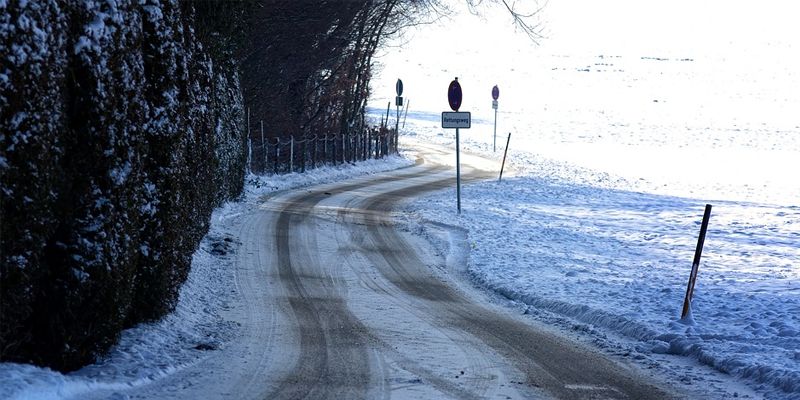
{"points": [[338, 302]]}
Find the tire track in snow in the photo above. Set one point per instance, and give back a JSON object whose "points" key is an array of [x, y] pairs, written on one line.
{"points": [[338, 304], [453, 348], [333, 360], [563, 369]]}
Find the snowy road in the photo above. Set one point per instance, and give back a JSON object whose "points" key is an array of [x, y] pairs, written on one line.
{"points": [[337, 302]]}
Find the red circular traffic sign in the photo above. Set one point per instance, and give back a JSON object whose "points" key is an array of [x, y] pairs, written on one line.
{"points": [[495, 92], [454, 95]]}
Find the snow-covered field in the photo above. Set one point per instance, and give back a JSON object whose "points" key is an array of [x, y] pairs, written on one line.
{"points": [[618, 142]]}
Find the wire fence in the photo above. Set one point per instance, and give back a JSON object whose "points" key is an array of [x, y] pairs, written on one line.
{"points": [[287, 155]]}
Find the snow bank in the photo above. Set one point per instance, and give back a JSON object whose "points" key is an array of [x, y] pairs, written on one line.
{"points": [[196, 329], [578, 248]]}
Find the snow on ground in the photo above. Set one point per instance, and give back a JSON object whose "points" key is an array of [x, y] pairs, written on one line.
{"points": [[616, 261], [618, 142], [623, 129], [153, 351]]}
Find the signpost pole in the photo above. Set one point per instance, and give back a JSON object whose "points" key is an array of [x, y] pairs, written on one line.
{"points": [[398, 102], [495, 96], [396, 129], [456, 120], [458, 175], [494, 144]]}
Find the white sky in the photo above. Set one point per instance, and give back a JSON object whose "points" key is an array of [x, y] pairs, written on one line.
{"points": [[692, 27], [736, 103], [732, 40]]}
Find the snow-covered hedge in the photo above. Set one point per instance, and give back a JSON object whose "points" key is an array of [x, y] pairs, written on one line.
{"points": [[119, 134]]}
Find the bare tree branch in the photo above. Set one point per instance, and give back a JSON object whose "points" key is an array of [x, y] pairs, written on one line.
{"points": [[526, 21]]}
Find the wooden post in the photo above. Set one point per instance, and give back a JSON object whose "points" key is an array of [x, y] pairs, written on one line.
{"points": [[344, 148], [388, 105], [277, 155], [335, 151], [503, 165], [305, 151], [266, 157], [313, 152], [405, 114], [263, 145], [291, 154], [248, 169], [687, 301]]}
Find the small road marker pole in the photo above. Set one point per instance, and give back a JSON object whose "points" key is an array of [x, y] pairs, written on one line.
{"points": [[687, 301], [503, 165], [405, 113]]}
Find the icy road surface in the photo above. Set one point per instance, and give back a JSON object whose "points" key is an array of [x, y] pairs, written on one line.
{"points": [[339, 303]]}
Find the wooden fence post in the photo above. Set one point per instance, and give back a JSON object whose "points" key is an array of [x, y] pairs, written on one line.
{"points": [[687, 301], [263, 146], [503, 165], [277, 155], [316, 153], [291, 154], [405, 114], [305, 149], [249, 167]]}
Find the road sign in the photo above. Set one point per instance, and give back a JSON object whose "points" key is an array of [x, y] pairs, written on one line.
{"points": [[454, 95], [398, 101], [456, 120], [399, 87], [495, 95]]}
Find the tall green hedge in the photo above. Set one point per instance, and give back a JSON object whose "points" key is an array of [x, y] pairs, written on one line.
{"points": [[120, 133]]}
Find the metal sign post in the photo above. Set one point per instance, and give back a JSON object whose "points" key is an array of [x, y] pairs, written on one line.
{"points": [[495, 95], [398, 102], [456, 120]]}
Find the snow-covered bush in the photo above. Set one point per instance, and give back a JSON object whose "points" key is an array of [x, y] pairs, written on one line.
{"points": [[33, 63], [120, 134]]}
